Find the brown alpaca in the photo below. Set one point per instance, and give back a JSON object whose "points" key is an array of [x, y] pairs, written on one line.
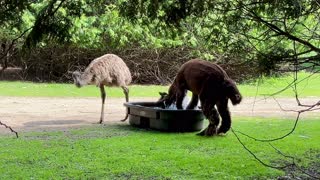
{"points": [[211, 84], [107, 70]]}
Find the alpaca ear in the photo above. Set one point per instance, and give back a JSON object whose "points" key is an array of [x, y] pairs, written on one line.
{"points": [[163, 93]]}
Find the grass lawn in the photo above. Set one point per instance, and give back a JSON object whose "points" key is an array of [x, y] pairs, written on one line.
{"points": [[267, 86], [114, 151], [125, 152]]}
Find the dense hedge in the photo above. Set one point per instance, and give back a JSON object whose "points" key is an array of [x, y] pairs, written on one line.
{"points": [[148, 66]]}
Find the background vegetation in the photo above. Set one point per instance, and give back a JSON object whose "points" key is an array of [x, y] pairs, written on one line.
{"points": [[250, 39], [49, 38]]}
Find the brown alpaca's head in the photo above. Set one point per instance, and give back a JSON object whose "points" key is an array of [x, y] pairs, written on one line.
{"points": [[232, 91], [161, 102], [163, 95], [170, 98], [167, 99]]}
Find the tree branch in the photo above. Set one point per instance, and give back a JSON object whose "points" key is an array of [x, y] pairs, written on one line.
{"points": [[279, 31], [6, 126]]}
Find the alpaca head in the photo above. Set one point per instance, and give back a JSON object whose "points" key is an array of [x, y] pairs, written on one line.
{"points": [[162, 95], [162, 100], [170, 97], [165, 100], [232, 91], [76, 77]]}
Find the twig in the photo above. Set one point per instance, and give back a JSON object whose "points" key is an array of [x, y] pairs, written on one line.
{"points": [[307, 108], [6, 126], [255, 156], [293, 162], [274, 139], [287, 87], [13, 41]]}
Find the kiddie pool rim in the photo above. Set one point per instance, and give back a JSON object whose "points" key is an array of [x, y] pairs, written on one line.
{"points": [[146, 115]]}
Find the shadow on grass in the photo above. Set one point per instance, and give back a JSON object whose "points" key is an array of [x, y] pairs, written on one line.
{"points": [[93, 131], [127, 127], [52, 123]]}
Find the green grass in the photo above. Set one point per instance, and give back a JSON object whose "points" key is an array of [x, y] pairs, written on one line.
{"points": [[69, 90], [124, 152], [309, 87]]}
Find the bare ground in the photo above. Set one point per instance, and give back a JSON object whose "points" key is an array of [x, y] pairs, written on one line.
{"points": [[33, 114]]}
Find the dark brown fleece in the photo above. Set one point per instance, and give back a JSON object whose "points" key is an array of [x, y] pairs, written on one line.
{"points": [[209, 83]]}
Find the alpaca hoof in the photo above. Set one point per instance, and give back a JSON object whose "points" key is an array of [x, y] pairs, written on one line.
{"points": [[210, 131], [221, 134], [202, 133], [210, 134], [222, 131]]}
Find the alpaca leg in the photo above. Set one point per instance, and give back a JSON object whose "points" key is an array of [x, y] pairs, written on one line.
{"points": [[194, 101], [214, 119], [103, 97], [212, 115], [225, 115], [126, 93], [180, 95]]}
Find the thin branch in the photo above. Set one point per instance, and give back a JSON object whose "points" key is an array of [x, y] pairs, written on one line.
{"points": [[10, 128], [274, 139], [288, 86], [13, 41], [307, 109], [293, 162], [279, 31], [263, 163]]}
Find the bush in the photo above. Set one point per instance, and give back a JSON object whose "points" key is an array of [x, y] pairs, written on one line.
{"points": [[147, 66]]}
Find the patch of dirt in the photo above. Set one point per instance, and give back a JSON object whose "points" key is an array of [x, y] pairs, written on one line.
{"points": [[43, 113]]}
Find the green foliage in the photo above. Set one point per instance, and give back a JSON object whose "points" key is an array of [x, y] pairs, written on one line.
{"points": [[11, 12], [53, 21], [267, 63], [239, 30], [267, 34], [124, 152]]}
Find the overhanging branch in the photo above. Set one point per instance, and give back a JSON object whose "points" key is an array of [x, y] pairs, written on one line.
{"points": [[279, 31]]}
